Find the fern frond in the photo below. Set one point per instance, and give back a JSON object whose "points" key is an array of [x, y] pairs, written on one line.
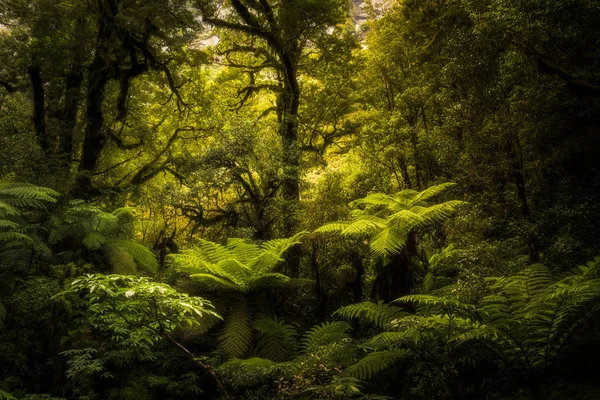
{"points": [[143, 256], [385, 340], [325, 334], [377, 362], [430, 192], [332, 227], [6, 224], [234, 271], [365, 225], [388, 241], [380, 315], [11, 236], [243, 251], [191, 262], [267, 280], [27, 195], [236, 336], [119, 259], [438, 213], [7, 210], [212, 252], [375, 199], [212, 282], [280, 246], [276, 340], [265, 262], [94, 240], [407, 219], [436, 303]]}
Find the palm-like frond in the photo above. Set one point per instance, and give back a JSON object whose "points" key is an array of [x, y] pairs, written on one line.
{"points": [[276, 340], [388, 220], [142, 255], [432, 191], [325, 334], [380, 315], [15, 197], [246, 265], [212, 282], [236, 336], [121, 261], [388, 241], [271, 280], [376, 362], [24, 195], [106, 233]]}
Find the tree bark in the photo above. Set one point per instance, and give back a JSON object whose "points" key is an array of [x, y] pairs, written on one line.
{"points": [[39, 107], [68, 117], [516, 168], [99, 75]]}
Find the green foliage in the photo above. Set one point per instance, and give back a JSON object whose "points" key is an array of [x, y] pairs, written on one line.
{"points": [[531, 323], [376, 362], [387, 220], [380, 315], [237, 266], [106, 234], [133, 312], [15, 198], [276, 340], [243, 270], [325, 334]]}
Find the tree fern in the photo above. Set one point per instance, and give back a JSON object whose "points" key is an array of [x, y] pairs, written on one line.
{"points": [[108, 234], [390, 223], [244, 269], [16, 198], [527, 322]]}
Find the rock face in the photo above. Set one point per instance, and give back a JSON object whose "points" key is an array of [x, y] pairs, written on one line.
{"points": [[364, 10]]}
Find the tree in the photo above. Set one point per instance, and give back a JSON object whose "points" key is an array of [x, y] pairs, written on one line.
{"points": [[531, 325], [85, 228], [284, 31], [136, 314], [391, 224], [244, 271]]}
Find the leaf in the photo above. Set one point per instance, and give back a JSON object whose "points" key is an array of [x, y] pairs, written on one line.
{"points": [[236, 336], [94, 240]]}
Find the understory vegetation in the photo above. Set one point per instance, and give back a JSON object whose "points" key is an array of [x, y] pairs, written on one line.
{"points": [[299, 199]]}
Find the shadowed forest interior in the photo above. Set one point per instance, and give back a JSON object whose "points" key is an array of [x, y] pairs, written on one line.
{"points": [[299, 199]]}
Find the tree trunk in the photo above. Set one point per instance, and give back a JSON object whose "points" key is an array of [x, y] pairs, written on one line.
{"points": [[99, 75], [288, 131], [68, 118], [320, 296], [39, 107], [516, 167], [394, 279]]}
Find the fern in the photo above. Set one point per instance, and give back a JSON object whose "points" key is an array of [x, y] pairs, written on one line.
{"points": [[236, 336], [104, 233], [15, 198], [387, 220], [325, 334], [380, 315], [245, 269], [377, 362], [276, 340]]}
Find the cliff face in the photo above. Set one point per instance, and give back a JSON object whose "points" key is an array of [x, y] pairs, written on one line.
{"points": [[364, 10]]}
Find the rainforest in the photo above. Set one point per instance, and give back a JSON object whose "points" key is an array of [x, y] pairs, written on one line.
{"points": [[299, 199]]}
